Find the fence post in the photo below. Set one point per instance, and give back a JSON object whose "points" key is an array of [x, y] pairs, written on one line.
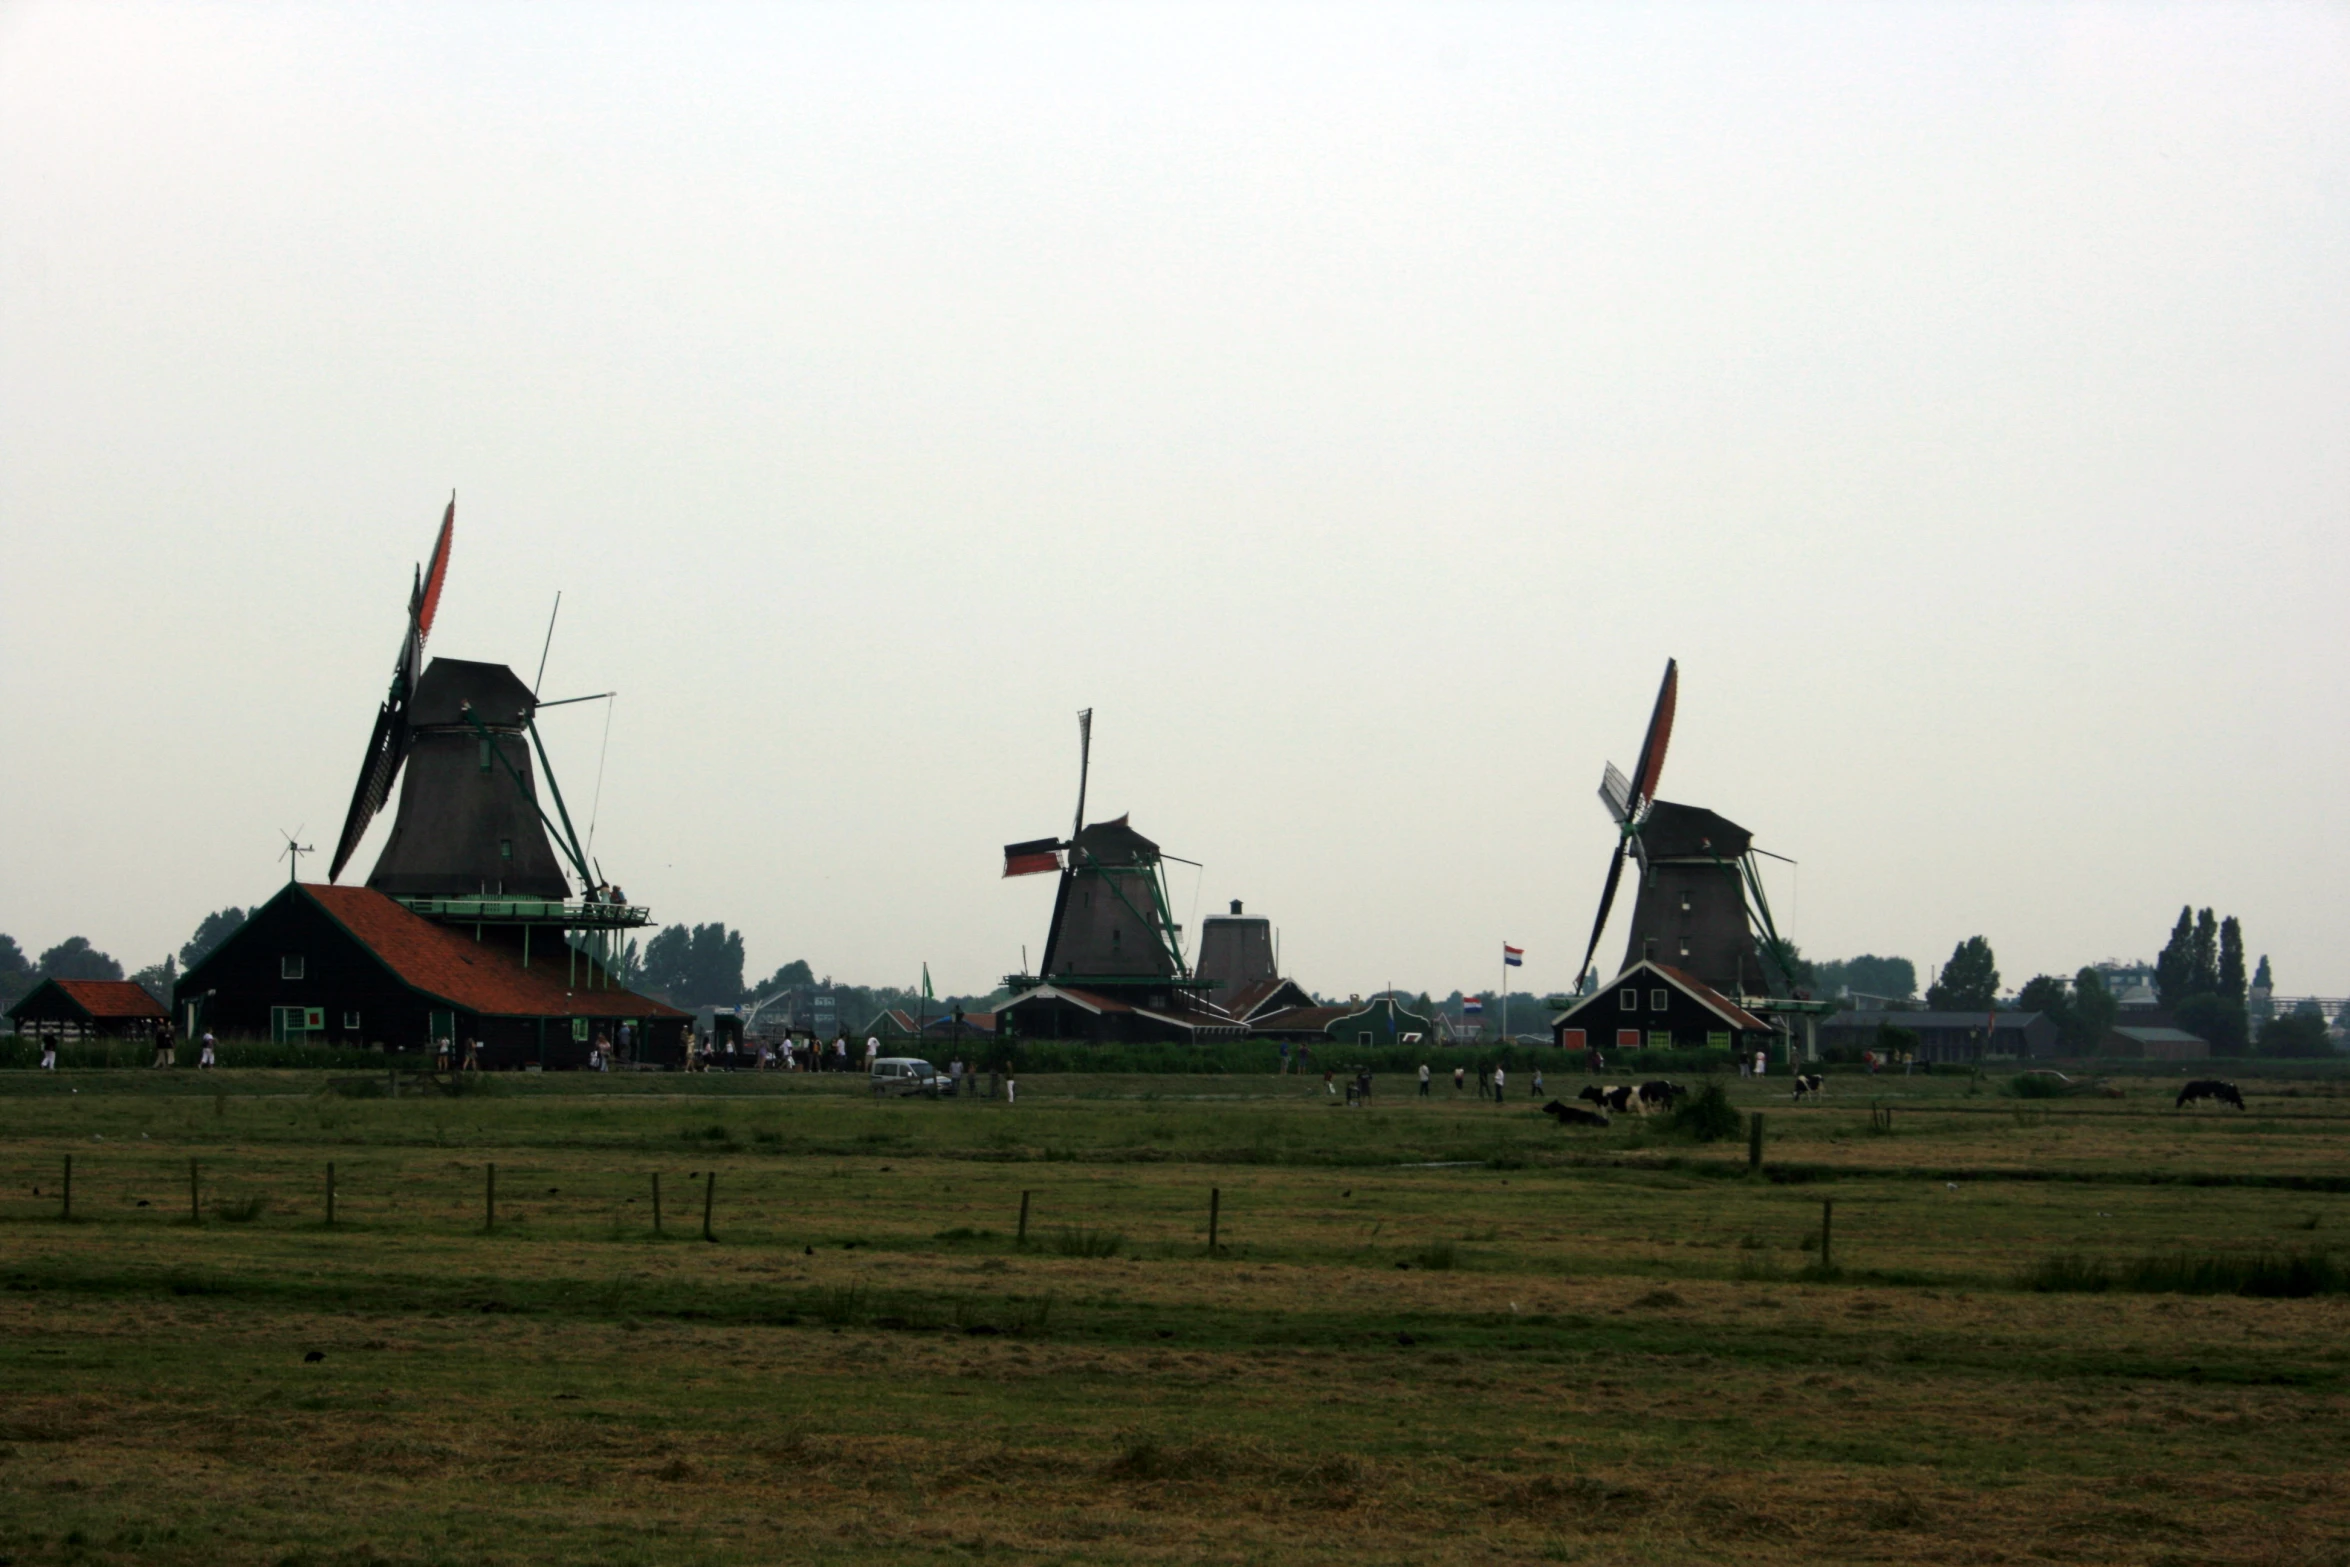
{"points": [[195, 1210], [330, 1194], [656, 1202], [1754, 1140], [709, 1196], [1023, 1201], [490, 1201], [1827, 1233], [1215, 1202], [68, 1187]]}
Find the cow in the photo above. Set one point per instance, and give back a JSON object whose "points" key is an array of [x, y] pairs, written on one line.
{"points": [[1661, 1094], [1573, 1115], [1810, 1083], [2209, 1088]]}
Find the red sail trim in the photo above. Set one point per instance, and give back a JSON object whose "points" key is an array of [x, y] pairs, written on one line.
{"points": [[437, 572], [1660, 735], [1032, 858]]}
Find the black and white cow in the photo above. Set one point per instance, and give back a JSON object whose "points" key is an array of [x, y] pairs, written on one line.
{"points": [[1808, 1084], [1660, 1094], [1573, 1115], [2209, 1088], [1622, 1098]]}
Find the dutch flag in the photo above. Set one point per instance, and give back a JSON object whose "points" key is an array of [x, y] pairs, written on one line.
{"points": [[1513, 957], [1472, 1005]]}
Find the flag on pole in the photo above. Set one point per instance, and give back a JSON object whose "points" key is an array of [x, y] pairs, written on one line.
{"points": [[1513, 957], [926, 995], [1473, 1006]]}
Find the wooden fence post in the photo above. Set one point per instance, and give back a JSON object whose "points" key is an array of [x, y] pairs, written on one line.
{"points": [[1215, 1202], [656, 1202], [490, 1201], [1754, 1140], [709, 1196], [195, 1210], [330, 1194], [1023, 1202]]}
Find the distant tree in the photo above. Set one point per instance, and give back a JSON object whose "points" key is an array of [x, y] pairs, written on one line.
{"points": [[1895, 1042], [1793, 967], [17, 976], [2261, 978], [2300, 1034], [2216, 1019], [2174, 967], [1894, 979], [156, 979], [1970, 980], [628, 965], [789, 977], [2094, 1011], [696, 966], [211, 931], [2052, 997], [2205, 954], [75, 958], [2231, 958]]}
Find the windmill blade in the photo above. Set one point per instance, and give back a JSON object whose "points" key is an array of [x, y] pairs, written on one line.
{"points": [[429, 598], [1084, 765], [386, 748], [1032, 858], [1615, 792], [1607, 901], [1660, 734]]}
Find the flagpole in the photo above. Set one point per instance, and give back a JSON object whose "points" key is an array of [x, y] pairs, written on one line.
{"points": [[1505, 993]]}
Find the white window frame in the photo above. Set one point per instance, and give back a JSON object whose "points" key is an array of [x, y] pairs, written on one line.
{"points": [[291, 965]]}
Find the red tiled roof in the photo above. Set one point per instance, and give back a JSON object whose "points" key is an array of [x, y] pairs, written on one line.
{"points": [[1713, 998], [104, 998], [473, 975]]}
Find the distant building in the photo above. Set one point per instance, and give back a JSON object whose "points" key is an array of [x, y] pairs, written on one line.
{"points": [[87, 1009], [1948, 1036], [2155, 1044], [1366, 1025]]}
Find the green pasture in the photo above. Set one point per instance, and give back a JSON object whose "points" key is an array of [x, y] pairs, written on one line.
{"points": [[1429, 1330]]}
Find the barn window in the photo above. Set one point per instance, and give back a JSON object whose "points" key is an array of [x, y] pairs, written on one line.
{"points": [[289, 966], [1659, 1000], [579, 1028], [1684, 900], [1627, 1039], [506, 852], [1363, 1038], [350, 1022], [485, 756], [1718, 1040], [1630, 1000], [1659, 1039], [1570, 1039]]}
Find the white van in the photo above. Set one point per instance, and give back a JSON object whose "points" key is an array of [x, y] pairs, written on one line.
{"points": [[903, 1075]]}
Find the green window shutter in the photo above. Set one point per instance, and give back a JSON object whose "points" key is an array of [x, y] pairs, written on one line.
{"points": [[579, 1028], [1659, 1039], [1719, 1040], [313, 1019]]}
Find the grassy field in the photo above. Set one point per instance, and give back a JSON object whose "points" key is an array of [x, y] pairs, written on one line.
{"points": [[1432, 1330]]}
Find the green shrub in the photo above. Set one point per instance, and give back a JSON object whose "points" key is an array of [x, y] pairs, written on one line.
{"points": [[1088, 1243], [2291, 1274], [1707, 1116]]}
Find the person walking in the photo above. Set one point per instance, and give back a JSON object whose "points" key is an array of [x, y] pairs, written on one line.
{"points": [[473, 1055], [48, 1052], [1423, 1080], [164, 1054], [1011, 1089], [205, 1060], [1537, 1094], [1460, 1078], [1499, 1077]]}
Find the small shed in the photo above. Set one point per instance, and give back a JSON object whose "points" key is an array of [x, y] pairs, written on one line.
{"points": [[1655, 1006], [87, 1009], [2156, 1044]]}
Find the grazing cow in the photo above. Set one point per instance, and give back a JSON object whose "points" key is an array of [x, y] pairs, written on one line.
{"points": [[1592, 1093], [1573, 1115], [1661, 1094], [1808, 1084], [2209, 1088]]}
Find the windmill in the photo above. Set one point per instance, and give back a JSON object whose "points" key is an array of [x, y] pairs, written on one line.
{"points": [[471, 843], [1700, 906], [1112, 931]]}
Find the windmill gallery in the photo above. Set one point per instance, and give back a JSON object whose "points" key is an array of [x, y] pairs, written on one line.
{"points": [[486, 925]]}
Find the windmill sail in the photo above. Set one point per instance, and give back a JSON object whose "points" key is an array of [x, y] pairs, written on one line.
{"points": [[387, 747]]}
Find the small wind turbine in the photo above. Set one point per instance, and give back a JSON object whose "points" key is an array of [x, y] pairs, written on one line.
{"points": [[293, 853]]}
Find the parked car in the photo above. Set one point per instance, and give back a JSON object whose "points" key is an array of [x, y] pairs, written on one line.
{"points": [[900, 1076]]}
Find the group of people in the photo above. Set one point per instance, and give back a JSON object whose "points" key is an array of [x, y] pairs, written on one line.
{"points": [[789, 1054], [166, 1050]]}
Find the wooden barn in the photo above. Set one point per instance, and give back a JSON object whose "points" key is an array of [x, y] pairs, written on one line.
{"points": [[1651, 1006], [87, 1009], [349, 966]]}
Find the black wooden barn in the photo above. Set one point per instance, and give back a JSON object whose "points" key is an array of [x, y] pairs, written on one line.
{"points": [[1652, 1006], [351, 967]]}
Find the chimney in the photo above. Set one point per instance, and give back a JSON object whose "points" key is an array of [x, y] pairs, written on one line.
{"points": [[1236, 905]]}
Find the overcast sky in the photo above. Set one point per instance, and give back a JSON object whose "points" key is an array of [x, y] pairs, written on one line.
{"points": [[1355, 407]]}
